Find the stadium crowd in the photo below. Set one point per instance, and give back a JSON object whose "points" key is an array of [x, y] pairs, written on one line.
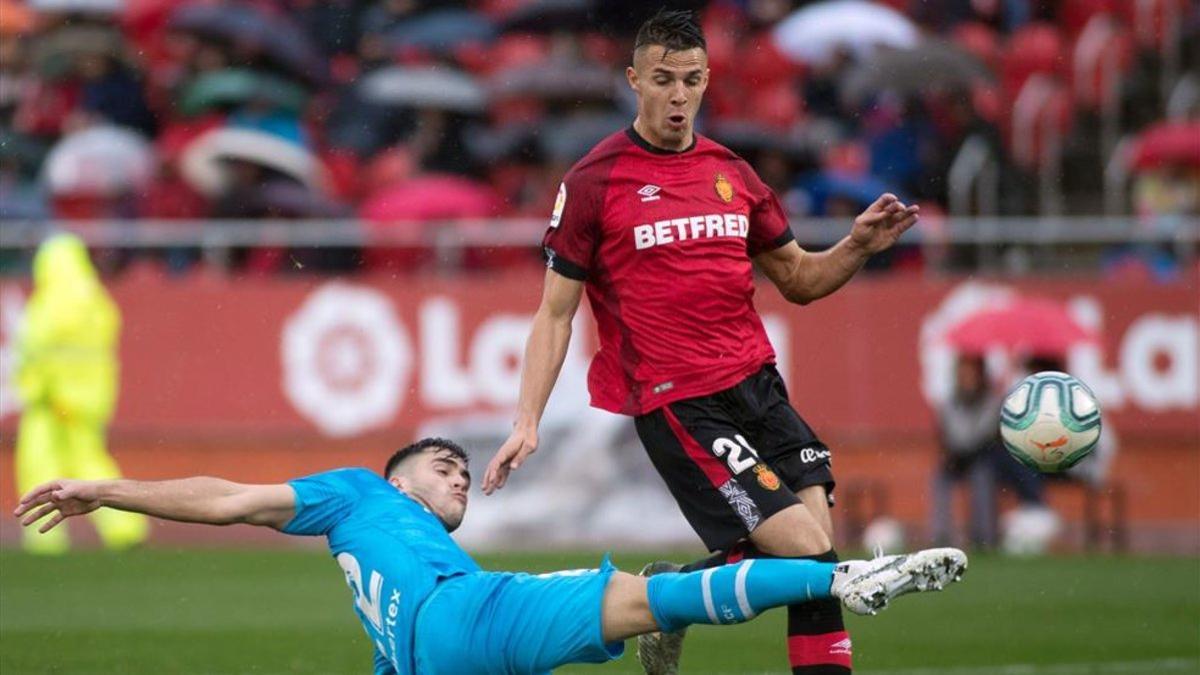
{"points": [[404, 112]]}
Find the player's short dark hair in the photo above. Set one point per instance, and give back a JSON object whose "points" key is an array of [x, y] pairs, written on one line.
{"points": [[424, 445], [675, 30]]}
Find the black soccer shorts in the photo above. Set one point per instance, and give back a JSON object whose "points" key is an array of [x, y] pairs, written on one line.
{"points": [[735, 458]]}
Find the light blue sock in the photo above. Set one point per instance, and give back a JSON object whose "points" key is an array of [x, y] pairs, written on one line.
{"points": [[735, 593]]}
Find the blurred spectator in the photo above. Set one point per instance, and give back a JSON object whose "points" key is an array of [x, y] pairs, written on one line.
{"points": [[67, 379], [111, 92], [969, 433], [21, 197]]}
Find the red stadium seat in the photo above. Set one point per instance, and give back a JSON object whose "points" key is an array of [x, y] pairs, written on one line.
{"points": [[1153, 20], [1035, 48], [723, 27], [979, 40], [1041, 119], [1103, 54], [1074, 15], [778, 106], [762, 64]]}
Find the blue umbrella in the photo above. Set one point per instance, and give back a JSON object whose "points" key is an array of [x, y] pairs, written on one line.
{"points": [[442, 31]]}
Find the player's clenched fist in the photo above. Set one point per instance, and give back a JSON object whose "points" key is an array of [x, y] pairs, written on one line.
{"points": [[521, 444], [878, 228]]}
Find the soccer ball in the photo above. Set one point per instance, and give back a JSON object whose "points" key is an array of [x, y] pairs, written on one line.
{"points": [[1028, 530], [885, 535], [1050, 421]]}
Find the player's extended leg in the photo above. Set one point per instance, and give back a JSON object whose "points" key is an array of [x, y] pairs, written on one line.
{"points": [[700, 442], [88, 459], [818, 643], [38, 460], [736, 593], [498, 622]]}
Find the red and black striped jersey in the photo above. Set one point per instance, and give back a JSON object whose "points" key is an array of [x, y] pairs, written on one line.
{"points": [[664, 242]]}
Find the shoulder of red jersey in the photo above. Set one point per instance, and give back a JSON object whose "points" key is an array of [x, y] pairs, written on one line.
{"points": [[600, 158], [749, 176], [706, 144]]}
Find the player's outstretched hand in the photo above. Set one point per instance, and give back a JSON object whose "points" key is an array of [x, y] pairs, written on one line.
{"points": [[877, 228], [63, 498], [520, 444]]}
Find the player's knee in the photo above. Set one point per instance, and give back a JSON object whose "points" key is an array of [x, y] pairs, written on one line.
{"points": [[791, 533], [805, 544]]}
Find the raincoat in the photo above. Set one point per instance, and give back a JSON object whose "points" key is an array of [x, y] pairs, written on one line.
{"points": [[67, 379]]}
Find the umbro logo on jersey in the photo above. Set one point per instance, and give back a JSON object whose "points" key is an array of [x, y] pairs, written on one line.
{"points": [[841, 647], [649, 192]]}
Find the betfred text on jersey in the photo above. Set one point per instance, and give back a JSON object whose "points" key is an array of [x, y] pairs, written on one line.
{"points": [[696, 227]]}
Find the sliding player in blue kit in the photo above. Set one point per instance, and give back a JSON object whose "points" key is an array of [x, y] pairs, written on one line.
{"points": [[428, 607]]}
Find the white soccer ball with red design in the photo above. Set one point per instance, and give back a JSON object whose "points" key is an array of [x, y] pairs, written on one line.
{"points": [[1050, 421]]}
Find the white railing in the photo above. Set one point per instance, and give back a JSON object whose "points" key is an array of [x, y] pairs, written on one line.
{"points": [[974, 179], [527, 232]]}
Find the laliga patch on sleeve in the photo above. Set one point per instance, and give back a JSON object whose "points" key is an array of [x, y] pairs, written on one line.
{"points": [[559, 204]]}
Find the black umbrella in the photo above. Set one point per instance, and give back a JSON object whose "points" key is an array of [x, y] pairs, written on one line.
{"points": [[934, 64], [494, 144], [442, 31], [546, 16], [287, 199], [276, 38], [560, 140]]}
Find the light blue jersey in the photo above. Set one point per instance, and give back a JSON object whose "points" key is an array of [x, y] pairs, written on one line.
{"points": [[392, 550]]}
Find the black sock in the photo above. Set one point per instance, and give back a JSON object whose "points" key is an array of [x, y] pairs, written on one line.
{"points": [[739, 551], [818, 643]]}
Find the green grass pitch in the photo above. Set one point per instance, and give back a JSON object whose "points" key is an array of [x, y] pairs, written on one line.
{"points": [[287, 611]]}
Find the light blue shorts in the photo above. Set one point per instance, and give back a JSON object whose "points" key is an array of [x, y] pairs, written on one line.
{"points": [[505, 623]]}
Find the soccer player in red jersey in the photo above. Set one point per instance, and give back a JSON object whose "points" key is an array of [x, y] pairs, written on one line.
{"points": [[663, 227]]}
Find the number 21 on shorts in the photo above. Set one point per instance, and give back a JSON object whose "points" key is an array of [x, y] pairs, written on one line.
{"points": [[737, 453]]}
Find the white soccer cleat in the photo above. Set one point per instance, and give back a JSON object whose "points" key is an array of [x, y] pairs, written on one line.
{"points": [[866, 586]]}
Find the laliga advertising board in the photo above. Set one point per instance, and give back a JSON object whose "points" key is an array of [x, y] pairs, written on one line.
{"points": [[342, 358], [302, 374]]}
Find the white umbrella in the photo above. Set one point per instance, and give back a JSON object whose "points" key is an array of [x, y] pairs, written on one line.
{"points": [[203, 162], [815, 33], [102, 7], [105, 160], [435, 87]]}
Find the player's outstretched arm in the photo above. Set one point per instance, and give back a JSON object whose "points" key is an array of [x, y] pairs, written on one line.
{"points": [[803, 276], [544, 353], [200, 499]]}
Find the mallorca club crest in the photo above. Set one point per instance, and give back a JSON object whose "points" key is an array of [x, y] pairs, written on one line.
{"points": [[766, 477], [724, 188]]}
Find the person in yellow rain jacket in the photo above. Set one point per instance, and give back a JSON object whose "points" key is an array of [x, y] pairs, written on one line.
{"points": [[67, 380]]}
